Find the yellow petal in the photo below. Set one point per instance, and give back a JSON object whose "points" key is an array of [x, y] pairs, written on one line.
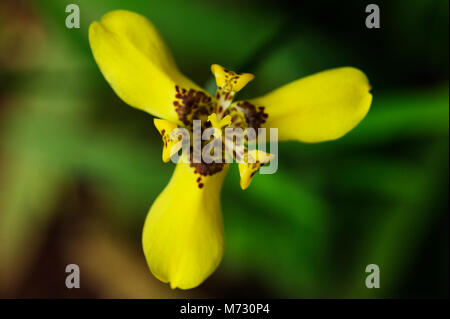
{"points": [[317, 108], [137, 64], [182, 236], [252, 163]]}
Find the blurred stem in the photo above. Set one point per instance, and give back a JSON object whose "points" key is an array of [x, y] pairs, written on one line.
{"points": [[392, 241]]}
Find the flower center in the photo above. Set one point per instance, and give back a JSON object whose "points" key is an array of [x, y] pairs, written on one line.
{"points": [[218, 113]]}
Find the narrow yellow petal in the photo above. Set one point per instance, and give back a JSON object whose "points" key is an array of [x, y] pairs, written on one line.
{"points": [[252, 163], [137, 64], [317, 108], [182, 237], [170, 144]]}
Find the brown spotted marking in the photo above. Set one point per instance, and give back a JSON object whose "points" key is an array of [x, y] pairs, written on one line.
{"points": [[255, 117], [190, 104]]}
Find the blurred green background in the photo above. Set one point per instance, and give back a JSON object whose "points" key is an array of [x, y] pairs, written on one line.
{"points": [[79, 168]]}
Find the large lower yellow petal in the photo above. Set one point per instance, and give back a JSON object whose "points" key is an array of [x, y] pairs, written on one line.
{"points": [[318, 108], [182, 236], [137, 64]]}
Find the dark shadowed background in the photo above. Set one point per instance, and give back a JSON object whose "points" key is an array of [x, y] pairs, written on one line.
{"points": [[79, 168]]}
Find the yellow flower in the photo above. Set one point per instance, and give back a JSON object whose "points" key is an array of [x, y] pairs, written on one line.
{"points": [[182, 236]]}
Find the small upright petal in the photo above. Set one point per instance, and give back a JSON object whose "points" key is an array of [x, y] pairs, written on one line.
{"points": [[170, 145], [251, 164], [229, 80]]}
